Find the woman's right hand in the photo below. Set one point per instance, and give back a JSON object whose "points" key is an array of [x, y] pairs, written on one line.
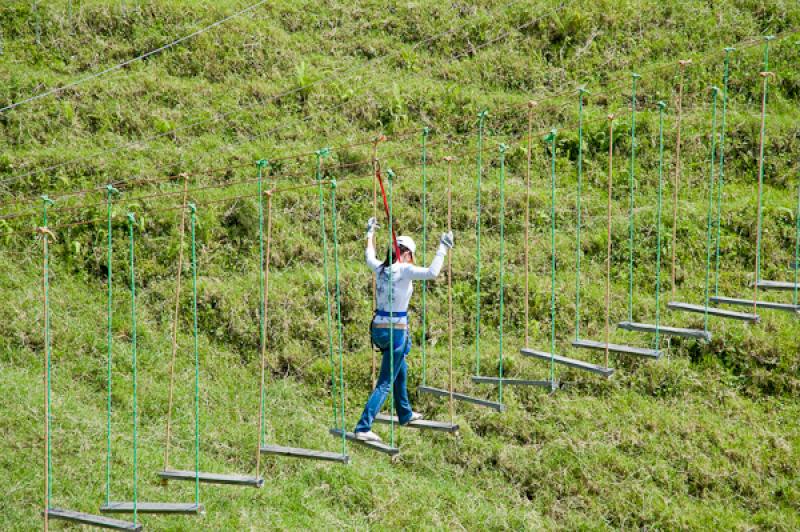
{"points": [[372, 225]]}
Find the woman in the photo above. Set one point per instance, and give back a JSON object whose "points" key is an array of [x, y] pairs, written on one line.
{"points": [[390, 323]]}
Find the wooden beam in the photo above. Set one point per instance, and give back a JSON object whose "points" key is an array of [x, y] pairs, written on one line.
{"points": [[777, 285], [296, 452], [617, 348], [425, 424], [759, 304], [438, 392], [515, 382], [212, 478], [700, 309], [698, 334], [569, 362], [374, 445], [99, 521], [187, 508]]}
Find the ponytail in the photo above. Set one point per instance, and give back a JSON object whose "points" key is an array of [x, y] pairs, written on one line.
{"points": [[390, 256]]}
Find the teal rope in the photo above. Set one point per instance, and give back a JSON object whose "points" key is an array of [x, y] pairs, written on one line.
{"points": [[193, 209], [131, 222], [714, 93], [581, 92], [324, 152], [48, 354], [390, 178], [481, 119], [262, 318], [502, 148], [110, 190], [425, 132], [631, 185], [661, 107], [761, 163], [721, 170], [334, 216], [551, 138]]}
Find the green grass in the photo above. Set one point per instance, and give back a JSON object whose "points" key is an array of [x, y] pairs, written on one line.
{"points": [[707, 437]]}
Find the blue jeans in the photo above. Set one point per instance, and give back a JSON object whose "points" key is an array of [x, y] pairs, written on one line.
{"points": [[402, 346]]}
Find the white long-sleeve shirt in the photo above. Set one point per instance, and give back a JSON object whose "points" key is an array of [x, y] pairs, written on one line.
{"points": [[402, 275]]}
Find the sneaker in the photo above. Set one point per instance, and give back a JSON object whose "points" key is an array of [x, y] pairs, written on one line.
{"points": [[416, 416], [368, 436]]}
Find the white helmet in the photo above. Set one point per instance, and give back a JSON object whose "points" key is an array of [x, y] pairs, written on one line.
{"points": [[408, 243]]}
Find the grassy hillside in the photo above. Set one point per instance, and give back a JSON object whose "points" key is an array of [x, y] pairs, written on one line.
{"points": [[706, 437]]}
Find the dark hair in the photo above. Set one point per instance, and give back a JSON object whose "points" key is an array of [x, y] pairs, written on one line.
{"points": [[390, 258]]}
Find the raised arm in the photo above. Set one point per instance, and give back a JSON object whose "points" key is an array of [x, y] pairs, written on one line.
{"points": [[418, 273], [372, 260]]}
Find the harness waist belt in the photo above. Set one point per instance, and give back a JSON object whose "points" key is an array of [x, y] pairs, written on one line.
{"points": [[389, 325], [385, 314]]}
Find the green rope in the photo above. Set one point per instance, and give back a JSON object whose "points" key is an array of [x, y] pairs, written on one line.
{"points": [[37, 22], [797, 247], [714, 93], [193, 209], [324, 152], [48, 352], [425, 132], [761, 163], [262, 325], [631, 185], [551, 138], [110, 190], [481, 119], [338, 312], [721, 168], [131, 222], [502, 148], [581, 92], [390, 178], [767, 39], [661, 107]]}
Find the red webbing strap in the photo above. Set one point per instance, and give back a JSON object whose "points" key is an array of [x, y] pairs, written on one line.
{"points": [[386, 209]]}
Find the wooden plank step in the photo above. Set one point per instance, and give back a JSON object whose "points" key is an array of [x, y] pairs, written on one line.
{"points": [[617, 348], [297, 452], [438, 392], [569, 362], [99, 521], [759, 304], [777, 285], [700, 309], [374, 445], [427, 424], [186, 508], [515, 382], [212, 478], [699, 334]]}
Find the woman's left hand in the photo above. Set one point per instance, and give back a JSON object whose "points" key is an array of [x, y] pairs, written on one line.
{"points": [[447, 240]]}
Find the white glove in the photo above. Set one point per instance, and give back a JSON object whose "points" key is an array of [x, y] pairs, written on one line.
{"points": [[447, 240], [372, 225]]}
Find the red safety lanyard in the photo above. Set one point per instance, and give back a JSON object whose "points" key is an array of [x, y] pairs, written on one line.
{"points": [[386, 208]]}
